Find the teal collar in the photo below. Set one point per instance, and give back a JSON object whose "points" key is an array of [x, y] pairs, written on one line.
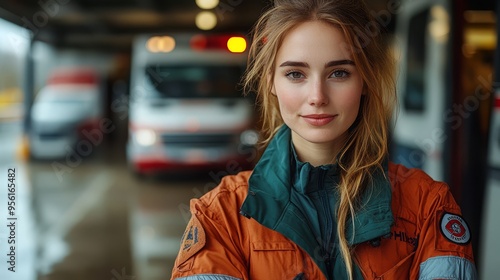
{"points": [[270, 201], [303, 171]]}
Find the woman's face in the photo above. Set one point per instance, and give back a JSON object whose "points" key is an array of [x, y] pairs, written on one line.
{"points": [[317, 85]]}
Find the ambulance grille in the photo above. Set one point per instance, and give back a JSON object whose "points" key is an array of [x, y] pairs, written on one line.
{"points": [[199, 140]]}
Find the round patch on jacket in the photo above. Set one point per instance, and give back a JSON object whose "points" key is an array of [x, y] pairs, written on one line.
{"points": [[455, 229]]}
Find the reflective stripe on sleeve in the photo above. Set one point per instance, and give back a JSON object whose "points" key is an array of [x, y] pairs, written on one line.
{"points": [[447, 267], [208, 277]]}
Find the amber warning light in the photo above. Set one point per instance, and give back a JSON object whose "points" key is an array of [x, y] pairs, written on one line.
{"points": [[234, 44], [159, 44]]}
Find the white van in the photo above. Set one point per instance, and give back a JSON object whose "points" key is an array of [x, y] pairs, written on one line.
{"points": [[66, 109], [186, 109]]}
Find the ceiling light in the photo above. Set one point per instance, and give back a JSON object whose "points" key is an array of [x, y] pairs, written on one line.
{"points": [[206, 20], [207, 4]]}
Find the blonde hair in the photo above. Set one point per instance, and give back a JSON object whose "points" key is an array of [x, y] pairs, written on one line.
{"points": [[366, 147]]}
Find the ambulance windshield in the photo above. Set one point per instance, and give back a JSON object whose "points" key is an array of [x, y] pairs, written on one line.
{"points": [[195, 81]]}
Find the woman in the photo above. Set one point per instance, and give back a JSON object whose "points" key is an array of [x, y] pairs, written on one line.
{"points": [[323, 202]]}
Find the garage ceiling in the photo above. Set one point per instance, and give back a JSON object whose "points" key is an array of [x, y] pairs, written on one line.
{"points": [[111, 24]]}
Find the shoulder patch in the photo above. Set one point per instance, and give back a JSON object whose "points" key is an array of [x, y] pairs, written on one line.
{"points": [[454, 228], [193, 240]]}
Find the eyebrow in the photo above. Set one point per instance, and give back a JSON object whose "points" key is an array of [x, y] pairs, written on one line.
{"points": [[339, 62], [329, 64]]}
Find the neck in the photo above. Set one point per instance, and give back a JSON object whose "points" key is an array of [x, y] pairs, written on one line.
{"points": [[316, 153]]}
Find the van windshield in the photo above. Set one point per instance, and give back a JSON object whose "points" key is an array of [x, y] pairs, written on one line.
{"points": [[195, 81]]}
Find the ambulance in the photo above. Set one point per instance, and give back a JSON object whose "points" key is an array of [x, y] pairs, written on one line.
{"points": [[186, 106]]}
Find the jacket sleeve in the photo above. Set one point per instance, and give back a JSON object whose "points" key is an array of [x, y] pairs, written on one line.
{"points": [[444, 250], [209, 247]]}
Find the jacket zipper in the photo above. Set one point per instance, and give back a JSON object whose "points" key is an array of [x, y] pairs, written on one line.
{"points": [[327, 247]]}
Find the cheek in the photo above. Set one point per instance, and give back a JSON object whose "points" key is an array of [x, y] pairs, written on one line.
{"points": [[286, 103], [351, 100], [288, 97]]}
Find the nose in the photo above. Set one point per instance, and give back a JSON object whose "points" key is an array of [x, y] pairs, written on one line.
{"points": [[318, 95]]}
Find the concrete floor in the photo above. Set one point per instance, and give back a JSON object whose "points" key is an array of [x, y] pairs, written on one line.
{"points": [[96, 221]]}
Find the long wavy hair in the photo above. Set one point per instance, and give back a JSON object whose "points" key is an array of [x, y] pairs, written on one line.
{"points": [[366, 147]]}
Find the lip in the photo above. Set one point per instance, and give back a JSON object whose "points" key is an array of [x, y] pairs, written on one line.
{"points": [[318, 119]]}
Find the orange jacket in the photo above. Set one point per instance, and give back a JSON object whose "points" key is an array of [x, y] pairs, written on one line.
{"points": [[428, 239]]}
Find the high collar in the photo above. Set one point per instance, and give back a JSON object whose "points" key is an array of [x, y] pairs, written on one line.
{"points": [[304, 172], [269, 184], [271, 199]]}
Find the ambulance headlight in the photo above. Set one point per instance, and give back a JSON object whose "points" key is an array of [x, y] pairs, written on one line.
{"points": [[249, 137], [145, 137]]}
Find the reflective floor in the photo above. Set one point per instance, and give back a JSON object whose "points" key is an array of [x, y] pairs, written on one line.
{"points": [[89, 219]]}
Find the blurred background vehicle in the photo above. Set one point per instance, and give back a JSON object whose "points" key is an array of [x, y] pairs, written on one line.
{"points": [[66, 110], [186, 109], [445, 90], [90, 218]]}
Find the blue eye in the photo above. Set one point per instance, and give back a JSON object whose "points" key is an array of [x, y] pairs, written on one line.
{"points": [[340, 74], [294, 75]]}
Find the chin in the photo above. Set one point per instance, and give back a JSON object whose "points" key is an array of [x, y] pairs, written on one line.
{"points": [[319, 137]]}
